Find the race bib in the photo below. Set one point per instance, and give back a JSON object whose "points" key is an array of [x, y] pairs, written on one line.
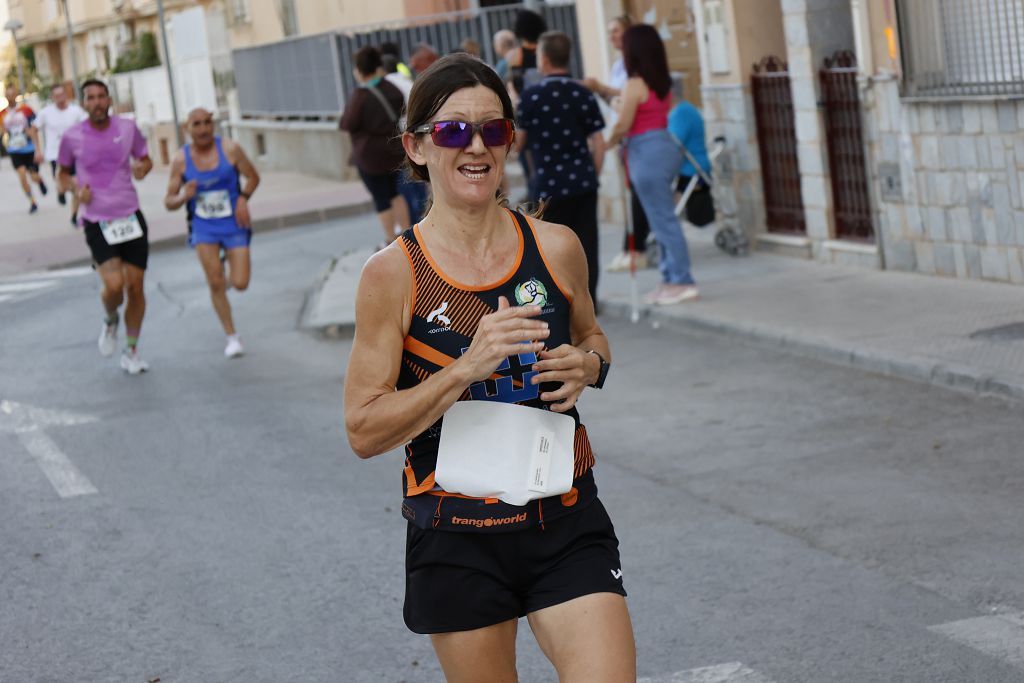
{"points": [[121, 229], [213, 204], [499, 450], [17, 141]]}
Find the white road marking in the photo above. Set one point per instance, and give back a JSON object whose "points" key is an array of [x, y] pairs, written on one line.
{"points": [[28, 284], [999, 635], [28, 422], [25, 286], [64, 476], [77, 271], [23, 417], [733, 672]]}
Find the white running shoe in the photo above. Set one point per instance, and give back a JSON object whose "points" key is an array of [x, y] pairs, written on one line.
{"points": [[234, 349], [131, 362], [619, 264], [108, 339]]}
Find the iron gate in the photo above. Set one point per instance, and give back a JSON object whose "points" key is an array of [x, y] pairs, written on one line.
{"points": [[776, 141], [845, 140]]}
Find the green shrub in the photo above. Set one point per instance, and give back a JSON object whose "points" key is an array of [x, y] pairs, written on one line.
{"points": [[142, 54]]}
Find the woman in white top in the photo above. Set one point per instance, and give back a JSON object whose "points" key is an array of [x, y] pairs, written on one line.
{"points": [[611, 92], [617, 77]]}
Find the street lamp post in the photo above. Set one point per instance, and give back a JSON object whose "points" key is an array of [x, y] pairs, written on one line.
{"points": [[71, 47], [13, 25], [170, 72]]}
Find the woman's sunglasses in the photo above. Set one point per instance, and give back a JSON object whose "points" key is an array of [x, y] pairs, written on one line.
{"points": [[459, 134]]}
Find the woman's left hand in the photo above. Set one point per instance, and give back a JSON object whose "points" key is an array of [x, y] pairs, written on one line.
{"points": [[568, 365]]}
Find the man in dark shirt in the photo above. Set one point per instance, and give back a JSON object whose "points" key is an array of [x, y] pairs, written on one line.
{"points": [[371, 118], [560, 122]]}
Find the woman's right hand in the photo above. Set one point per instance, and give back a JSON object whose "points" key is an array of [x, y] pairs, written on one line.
{"points": [[502, 334]]}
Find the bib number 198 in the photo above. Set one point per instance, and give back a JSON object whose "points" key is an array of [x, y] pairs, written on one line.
{"points": [[213, 204]]}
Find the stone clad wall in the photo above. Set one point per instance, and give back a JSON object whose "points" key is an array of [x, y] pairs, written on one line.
{"points": [[814, 30], [728, 110], [961, 171]]}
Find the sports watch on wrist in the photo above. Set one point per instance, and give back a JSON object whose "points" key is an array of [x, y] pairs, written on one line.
{"points": [[602, 374]]}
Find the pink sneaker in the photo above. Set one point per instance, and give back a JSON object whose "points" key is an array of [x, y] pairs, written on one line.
{"points": [[651, 297], [676, 294]]}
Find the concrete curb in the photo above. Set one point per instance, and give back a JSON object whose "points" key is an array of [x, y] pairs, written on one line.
{"points": [[312, 216], [312, 301], [330, 302], [946, 375]]}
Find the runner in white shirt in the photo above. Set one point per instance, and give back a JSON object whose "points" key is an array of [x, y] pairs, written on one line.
{"points": [[53, 120]]}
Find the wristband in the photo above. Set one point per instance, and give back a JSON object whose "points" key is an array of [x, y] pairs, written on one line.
{"points": [[602, 374]]}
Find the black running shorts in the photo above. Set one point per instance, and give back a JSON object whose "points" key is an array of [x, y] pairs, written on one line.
{"points": [[24, 159], [458, 581], [383, 187], [55, 168], [135, 252]]}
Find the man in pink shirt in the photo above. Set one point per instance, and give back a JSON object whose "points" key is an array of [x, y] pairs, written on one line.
{"points": [[107, 152]]}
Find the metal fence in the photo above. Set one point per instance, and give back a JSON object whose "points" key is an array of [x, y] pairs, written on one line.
{"points": [[297, 78], [309, 77], [961, 48]]}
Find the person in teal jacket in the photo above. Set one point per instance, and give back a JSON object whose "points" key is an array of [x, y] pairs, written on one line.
{"points": [[687, 125]]}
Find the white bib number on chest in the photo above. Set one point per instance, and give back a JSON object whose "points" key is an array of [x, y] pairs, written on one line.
{"points": [[17, 141], [213, 204], [121, 229]]}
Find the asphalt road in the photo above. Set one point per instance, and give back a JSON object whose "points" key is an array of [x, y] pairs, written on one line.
{"points": [[781, 520]]}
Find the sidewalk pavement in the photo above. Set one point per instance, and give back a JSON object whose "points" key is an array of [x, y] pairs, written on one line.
{"points": [[47, 239], [960, 334]]}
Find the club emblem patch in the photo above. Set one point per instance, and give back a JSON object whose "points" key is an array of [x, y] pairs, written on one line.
{"points": [[531, 293]]}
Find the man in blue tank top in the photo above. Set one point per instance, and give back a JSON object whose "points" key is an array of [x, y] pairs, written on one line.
{"points": [[205, 177]]}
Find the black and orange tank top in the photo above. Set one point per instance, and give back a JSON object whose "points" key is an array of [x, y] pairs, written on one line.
{"points": [[444, 319]]}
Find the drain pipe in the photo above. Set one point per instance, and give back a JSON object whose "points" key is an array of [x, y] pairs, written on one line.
{"points": [[861, 16]]}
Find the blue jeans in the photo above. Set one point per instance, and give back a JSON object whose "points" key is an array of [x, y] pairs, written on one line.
{"points": [[415, 195], [654, 161]]}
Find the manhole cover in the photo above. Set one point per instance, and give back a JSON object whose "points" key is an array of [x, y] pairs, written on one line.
{"points": [[1012, 332]]}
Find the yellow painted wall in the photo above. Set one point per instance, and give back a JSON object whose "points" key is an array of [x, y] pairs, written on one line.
{"points": [[417, 8], [264, 25], [681, 47], [759, 32], [592, 20]]}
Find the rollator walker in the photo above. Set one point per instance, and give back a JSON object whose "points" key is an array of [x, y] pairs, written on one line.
{"points": [[729, 237]]}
